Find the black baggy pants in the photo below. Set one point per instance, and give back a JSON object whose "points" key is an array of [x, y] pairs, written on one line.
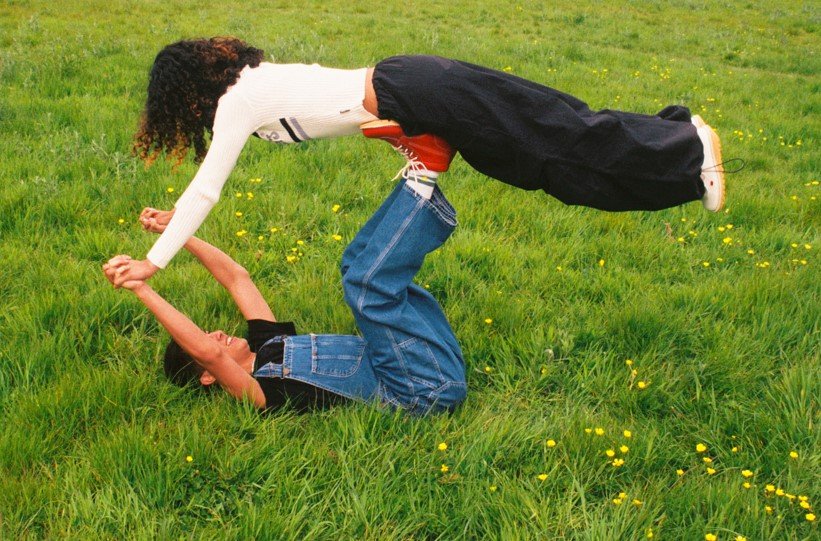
{"points": [[537, 138]]}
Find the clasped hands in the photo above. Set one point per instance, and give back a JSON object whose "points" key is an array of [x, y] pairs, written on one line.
{"points": [[122, 270]]}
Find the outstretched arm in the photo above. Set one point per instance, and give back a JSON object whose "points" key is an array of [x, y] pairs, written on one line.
{"points": [[192, 339], [230, 274], [233, 124], [233, 277]]}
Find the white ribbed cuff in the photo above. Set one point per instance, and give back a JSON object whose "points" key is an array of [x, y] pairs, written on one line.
{"points": [[191, 212]]}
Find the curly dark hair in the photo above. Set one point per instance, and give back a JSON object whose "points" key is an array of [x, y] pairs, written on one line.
{"points": [[186, 82]]}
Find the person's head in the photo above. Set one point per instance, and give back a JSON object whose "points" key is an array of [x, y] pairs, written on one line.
{"points": [[183, 370], [186, 82]]}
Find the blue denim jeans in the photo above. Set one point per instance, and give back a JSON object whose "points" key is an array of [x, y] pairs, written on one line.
{"points": [[407, 356]]}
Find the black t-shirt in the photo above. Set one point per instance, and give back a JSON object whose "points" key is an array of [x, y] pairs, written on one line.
{"points": [[278, 391]]}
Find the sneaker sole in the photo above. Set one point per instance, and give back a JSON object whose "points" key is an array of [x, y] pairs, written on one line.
{"points": [[716, 142], [378, 124]]}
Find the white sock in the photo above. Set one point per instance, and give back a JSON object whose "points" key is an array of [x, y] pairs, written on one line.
{"points": [[422, 182]]}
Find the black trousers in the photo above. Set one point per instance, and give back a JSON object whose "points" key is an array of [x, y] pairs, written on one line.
{"points": [[537, 138]]}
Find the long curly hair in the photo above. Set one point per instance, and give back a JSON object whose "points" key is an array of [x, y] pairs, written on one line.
{"points": [[186, 82]]}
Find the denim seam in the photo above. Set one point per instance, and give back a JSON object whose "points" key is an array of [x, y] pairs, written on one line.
{"points": [[398, 352], [399, 233]]}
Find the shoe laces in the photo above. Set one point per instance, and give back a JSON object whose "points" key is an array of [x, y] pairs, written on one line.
{"points": [[719, 167], [414, 164]]}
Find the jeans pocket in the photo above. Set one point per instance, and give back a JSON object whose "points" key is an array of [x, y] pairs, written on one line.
{"points": [[336, 356]]}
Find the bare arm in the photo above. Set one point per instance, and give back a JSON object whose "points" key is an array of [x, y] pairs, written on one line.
{"points": [[233, 277], [230, 274], [193, 340]]}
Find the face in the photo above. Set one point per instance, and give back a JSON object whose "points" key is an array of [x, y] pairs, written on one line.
{"points": [[236, 347]]}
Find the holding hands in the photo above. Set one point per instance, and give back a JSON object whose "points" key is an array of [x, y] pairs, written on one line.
{"points": [[121, 270], [155, 220], [114, 270]]}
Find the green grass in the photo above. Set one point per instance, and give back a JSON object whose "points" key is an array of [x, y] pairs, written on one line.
{"points": [[93, 441]]}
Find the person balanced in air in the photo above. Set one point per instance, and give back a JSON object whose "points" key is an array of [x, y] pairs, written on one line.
{"points": [[511, 129]]}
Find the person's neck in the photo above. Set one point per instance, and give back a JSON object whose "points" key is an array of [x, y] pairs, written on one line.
{"points": [[248, 363]]}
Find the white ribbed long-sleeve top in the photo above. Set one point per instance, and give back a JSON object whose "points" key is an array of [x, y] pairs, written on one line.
{"points": [[283, 103]]}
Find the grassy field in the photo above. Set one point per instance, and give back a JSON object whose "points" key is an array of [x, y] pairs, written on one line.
{"points": [[642, 334]]}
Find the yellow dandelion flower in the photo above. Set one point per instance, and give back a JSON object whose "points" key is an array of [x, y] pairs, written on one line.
{"points": [[169, 189], [707, 460], [705, 264], [679, 472], [622, 495], [238, 214], [488, 370], [751, 251], [710, 537], [559, 269], [189, 458], [542, 476], [649, 534], [618, 462], [746, 485], [729, 226], [701, 447], [638, 503], [721, 229], [793, 454], [617, 501], [624, 449], [634, 372], [769, 488], [300, 243], [444, 468], [442, 446], [260, 237], [492, 488], [768, 509], [601, 262], [599, 431], [629, 362], [274, 229], [250, 195], [734, 449], [793, 245], [746, 474], [121, 221], [335, 208], [241, 233], [804, 505], [808, 246], [488, 320], [642, 384], [802, 498], [711, 471], [551, 443], [610, 453], [588, 430], [336, 237], [627, 434], [810, 517], [238, 195], [740, 538], [779, 492]]}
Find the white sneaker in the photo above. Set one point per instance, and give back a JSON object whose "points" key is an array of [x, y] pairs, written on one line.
{"points": [[712, 173], [697, 121]]}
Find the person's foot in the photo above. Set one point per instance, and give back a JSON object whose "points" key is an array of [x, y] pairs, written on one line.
{"points": [[423, 152], [712, 171]]}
